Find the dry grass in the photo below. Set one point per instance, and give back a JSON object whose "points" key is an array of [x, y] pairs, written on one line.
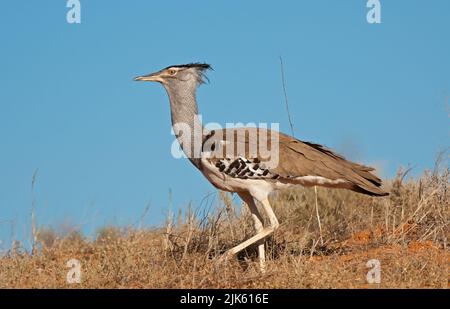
{"points": [[407, 232]]}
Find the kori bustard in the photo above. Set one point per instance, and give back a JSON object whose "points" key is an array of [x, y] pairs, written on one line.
{"points": [[253, 162]]}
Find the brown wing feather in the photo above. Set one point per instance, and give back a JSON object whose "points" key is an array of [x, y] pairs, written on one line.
{"points": [[296, 158]]}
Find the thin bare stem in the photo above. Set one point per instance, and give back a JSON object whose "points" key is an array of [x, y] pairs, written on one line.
{"points": [[285, 96], [33, 214], [318, 217]]}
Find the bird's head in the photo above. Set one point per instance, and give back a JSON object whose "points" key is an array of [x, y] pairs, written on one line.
{"points": [[192, 73]]}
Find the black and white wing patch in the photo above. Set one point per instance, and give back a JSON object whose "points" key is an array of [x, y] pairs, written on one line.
{"points": [[245, 169]]}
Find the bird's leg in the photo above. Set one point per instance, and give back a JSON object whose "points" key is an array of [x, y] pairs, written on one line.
{"points": [[258, 225], [260, 235], [269, 211]]}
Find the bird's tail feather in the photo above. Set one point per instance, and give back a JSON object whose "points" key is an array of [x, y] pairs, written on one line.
{"points": [[369, 183]]}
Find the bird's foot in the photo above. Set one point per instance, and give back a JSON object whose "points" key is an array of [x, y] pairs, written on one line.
{"points": [[224, 258]]}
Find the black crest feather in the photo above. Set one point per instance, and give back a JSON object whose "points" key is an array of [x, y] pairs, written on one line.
{"points": [[197, 65], [201, 69]]}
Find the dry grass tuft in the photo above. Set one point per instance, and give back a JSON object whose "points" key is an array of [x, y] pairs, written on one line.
{"points": [[407, 232]]}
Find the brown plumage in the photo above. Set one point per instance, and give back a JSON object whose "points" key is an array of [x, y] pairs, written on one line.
{"points": [[296, 159]]}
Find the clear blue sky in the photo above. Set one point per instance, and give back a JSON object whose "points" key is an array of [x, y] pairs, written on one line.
{"points": [[101, 142]]}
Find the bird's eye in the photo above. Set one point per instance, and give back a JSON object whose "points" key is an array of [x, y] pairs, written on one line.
{"points": [[172, 72]]}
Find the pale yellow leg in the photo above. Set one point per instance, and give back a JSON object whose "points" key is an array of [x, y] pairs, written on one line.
{"points": [[262, 232], [258, 224]]}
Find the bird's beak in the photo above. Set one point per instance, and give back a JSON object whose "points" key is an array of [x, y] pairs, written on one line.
{"points": [[153, 77]]}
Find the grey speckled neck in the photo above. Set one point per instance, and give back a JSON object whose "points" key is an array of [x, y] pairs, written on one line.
{"points": [[184, 114]]}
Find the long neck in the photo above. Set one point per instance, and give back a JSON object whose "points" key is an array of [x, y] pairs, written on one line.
{"points": [[185, 121]]}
